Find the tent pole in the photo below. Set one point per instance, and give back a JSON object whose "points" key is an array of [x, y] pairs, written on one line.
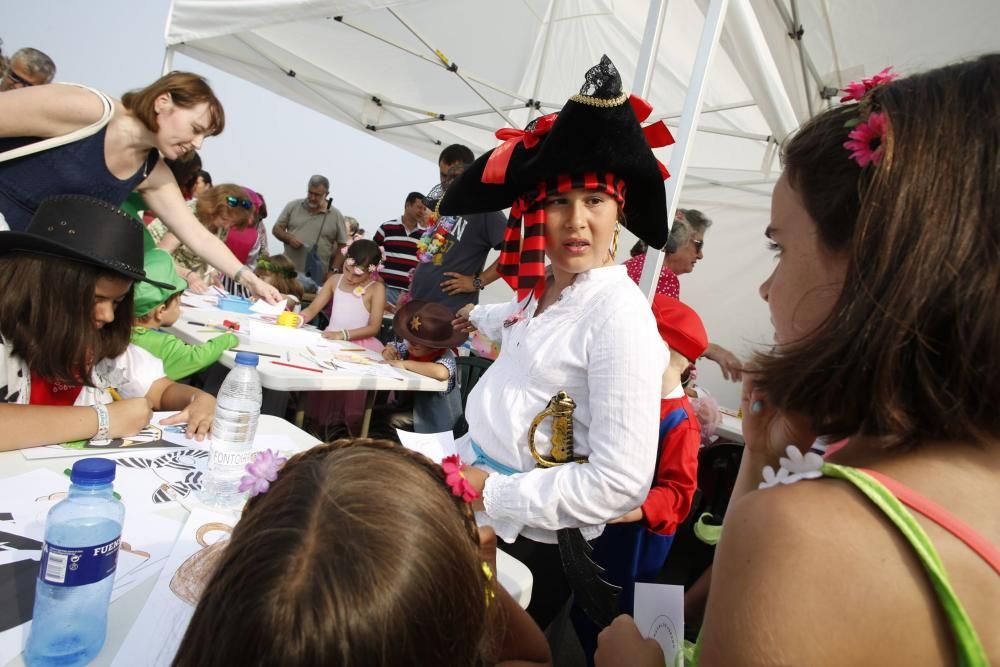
{"points": [[433, 61], [549, 11], [753, 59], [795, 32], [452, 67], [646, 62], [168, 60], [693, 102], [719, 107], [797, 28]]}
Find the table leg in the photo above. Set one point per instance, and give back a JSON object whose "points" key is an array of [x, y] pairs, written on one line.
{"points": [[367, 419]]}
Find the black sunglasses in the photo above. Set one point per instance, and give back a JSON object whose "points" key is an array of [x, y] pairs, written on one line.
{"points": [[236, 201]]}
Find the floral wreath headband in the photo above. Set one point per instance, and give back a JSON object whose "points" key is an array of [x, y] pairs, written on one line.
{"points": [[267, 265], [351, 265], [866, 140]]}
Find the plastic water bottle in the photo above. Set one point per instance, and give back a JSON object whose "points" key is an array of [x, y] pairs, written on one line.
{"points": [[237, 410], [79, 558]]}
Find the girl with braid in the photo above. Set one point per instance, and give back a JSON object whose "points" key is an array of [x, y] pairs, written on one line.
{"points": [[358, 554]]}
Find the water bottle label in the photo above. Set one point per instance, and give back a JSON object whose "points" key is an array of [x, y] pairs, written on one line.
{"points": [[220, 458], [78, 566]]}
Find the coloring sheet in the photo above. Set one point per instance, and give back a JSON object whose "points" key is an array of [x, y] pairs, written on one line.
{"points": [[659, 615], [153, 436], [435, 446], [160, 626], [25, 500]]}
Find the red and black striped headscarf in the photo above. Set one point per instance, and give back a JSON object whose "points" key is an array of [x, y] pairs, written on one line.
{"points": [[522, 261]]}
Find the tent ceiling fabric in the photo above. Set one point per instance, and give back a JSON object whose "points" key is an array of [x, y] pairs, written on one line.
{"points": [[507, 53], [372, 63]]}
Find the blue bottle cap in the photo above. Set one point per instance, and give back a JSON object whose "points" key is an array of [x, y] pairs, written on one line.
{"points": [[247, 358], [93, 472]]}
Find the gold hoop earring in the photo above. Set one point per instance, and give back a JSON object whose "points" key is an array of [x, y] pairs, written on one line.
{"points": [[614, 240]]}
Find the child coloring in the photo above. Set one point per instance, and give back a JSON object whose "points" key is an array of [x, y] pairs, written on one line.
{"points": [[358, 302], [157, 307], [66, 308], [427, 338]]}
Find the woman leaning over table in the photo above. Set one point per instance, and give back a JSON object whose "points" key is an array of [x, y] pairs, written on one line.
{"points": [[581, 326], [170, 118]]}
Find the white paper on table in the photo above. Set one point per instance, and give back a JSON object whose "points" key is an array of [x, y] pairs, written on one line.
{"points": [[435, 446], [659, 615], [262, 307], [28, 497], [376, 369], [160, 626], [284, 337], [199, 301]]}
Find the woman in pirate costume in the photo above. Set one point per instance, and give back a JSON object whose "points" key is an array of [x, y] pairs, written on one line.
{"points": [[578, 326]]}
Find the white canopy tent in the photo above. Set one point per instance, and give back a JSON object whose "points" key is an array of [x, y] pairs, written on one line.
{"points": [[422, 74]]}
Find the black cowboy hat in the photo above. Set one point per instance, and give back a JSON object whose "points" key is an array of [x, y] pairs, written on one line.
{"points": [[85, 230], [596, 131], [428, 324]]}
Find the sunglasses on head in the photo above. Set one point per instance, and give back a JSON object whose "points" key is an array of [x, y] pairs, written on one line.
{"points": [[236, 201]]}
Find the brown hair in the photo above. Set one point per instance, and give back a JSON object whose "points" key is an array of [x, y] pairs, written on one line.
{"points": [[283, 277], [47, 316], [910, 350], [357, 555], [185, 89], [212, 206]]}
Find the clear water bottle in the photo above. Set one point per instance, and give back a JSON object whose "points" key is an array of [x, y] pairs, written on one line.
{"points": [[237, 410], [79, 558]]}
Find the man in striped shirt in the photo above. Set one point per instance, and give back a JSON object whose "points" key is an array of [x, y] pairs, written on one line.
{"points": [[398, 239]]}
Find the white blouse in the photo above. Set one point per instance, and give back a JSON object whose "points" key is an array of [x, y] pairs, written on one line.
{"points": [[599, 344]]}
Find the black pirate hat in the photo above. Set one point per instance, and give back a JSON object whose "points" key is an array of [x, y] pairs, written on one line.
{"points": [[85, 230], [428, 324], [597, 130]]}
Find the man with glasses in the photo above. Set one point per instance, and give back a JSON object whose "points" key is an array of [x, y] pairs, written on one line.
{"points": [[27, 67], [312, 221]]}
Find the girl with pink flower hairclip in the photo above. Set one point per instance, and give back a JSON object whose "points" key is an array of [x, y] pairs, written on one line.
{"points": [[357, 303], [358, 554], [866, 140], [884, 547]]}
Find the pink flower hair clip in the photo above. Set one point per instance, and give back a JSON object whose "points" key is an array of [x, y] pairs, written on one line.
{"points": [[866, 140], [453, 477], [261, 472]]}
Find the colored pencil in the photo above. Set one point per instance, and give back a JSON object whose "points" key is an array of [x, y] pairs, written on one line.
{"points": [[304, 368], [262, 354]]}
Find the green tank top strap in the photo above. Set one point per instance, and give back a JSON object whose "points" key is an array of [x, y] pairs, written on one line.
{"points": [[970, 649]]}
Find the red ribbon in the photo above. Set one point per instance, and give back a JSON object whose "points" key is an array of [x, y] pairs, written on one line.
{"points": [[657, 134], [496, 166]]}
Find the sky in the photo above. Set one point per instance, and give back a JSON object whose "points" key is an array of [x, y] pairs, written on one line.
{"points": [[270, 144]]}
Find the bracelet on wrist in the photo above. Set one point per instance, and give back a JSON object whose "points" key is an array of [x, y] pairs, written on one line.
{"points": [[103, 421], [239, 272], [345, 334]]}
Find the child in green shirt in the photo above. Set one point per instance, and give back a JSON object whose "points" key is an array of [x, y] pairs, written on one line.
{"points": [[156, 307]]}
